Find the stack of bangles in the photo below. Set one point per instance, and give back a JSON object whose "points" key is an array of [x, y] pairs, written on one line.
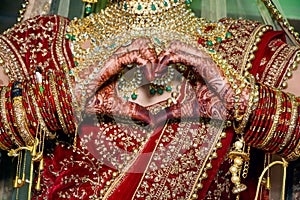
{"points": [[275, 123], [32, 106]]}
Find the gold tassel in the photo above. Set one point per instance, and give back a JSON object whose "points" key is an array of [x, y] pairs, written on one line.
{"points": [[38, 182], [238, 156]]}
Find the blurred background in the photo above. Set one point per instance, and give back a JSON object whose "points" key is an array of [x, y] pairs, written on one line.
{"points": [[211, 9]]}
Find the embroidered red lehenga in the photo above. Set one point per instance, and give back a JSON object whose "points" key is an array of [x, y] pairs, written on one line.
{"points": [[130, 157]]}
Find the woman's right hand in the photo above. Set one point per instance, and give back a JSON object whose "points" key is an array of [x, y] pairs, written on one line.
{"points": [[138, 51]]}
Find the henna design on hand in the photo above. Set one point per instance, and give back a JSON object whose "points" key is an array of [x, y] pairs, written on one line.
{"points": [[107, 101], [203, 66]]}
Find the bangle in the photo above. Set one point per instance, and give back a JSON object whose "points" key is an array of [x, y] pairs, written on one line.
{"points": [[56, 102], [252, 104], [45, 109], [65, 102], [29, 109], [295, 140], [5, 142], [258, 118], [41, 122], [270, 134], [281, 129], [47, 93], [291, 127], [19, 115], [5, 98]]}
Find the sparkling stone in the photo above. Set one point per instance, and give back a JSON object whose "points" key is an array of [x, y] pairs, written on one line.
{"points": [[160, 91], [219, 39], [168, 88], [153, 7], [187, 2], [134, 96], [209, 43], [139, 7], [152, 91], [228, 35]]}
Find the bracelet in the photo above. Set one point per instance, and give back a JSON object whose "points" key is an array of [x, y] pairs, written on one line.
{"points": [[5, 96], [40, 119], [275, 123], [281, 129], [65, 101], [253, 99], [29, 110], [5, 142], [292, 125], [57, 104], [19, 115], [47, 93]]}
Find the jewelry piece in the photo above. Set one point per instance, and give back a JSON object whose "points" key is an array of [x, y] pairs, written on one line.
{"points": [[19, 114], [88, 6], [14, 138], [128, 88], [158, 85], [238, 156], [22, 10], [283, 22], [56, 101], [252, 104]]}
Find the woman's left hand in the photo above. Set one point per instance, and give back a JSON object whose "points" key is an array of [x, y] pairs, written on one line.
{"points": [[203, 66]]}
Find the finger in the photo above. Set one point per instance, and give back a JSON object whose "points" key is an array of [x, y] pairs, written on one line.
{"points": [[112, 67], [210, 104], [146, 50], [108, 102], [149, 69], [178, 46]]}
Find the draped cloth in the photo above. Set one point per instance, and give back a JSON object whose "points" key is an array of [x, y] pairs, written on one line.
{"points": [[135, 161]]}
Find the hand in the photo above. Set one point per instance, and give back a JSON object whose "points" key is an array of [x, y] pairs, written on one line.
{"points": [[107, 101], [203, 66], [195, 101], [139, 52]]}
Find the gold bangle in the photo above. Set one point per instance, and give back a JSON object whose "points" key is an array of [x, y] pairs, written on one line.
{"points": [[295, 154], [6, 136], [5, 120], [21, 122], [252, 103]]}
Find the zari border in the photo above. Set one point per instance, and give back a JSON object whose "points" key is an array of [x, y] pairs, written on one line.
{"points": [[251, 47], [210, 156], [57, 50], [278, 65], [150, 159], [17, 62]]}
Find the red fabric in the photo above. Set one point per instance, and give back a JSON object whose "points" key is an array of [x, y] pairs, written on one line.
{"points": [[265, 52], [217, 162], [65, 169]]}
